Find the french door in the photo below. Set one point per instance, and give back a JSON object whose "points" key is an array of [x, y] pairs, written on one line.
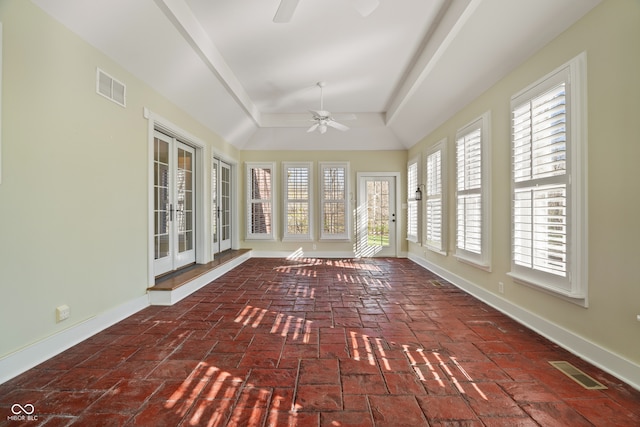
{"points": [[377, 216], [221, 205], [174, 204]]}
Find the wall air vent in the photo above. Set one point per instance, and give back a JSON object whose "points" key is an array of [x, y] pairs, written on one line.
{"points": [[577, 375], [111, 88]]}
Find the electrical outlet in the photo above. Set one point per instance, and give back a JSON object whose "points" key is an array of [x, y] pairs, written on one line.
{"points": [[314, 246], [62, 313], [501, 287]]}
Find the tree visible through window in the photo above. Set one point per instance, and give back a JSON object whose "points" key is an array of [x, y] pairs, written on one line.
{"points": [[334, 200], [297, 192]]}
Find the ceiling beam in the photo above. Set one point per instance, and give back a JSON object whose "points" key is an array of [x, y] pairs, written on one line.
{"points": [[447, 25], [182, 18]]}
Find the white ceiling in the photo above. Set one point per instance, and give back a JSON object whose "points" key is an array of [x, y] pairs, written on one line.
{"points": [[402, 70]]}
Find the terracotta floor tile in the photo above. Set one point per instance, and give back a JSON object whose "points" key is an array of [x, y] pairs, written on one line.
{"points": [[404, 383], [529, 392], [489, 400], [363, 384], [603, 411], [125, 397], [508, 422], [346, 419], [264, 377], [319, 371], [317, 342], [396, 411], [556, 414], [323, 397], [448, 408]]}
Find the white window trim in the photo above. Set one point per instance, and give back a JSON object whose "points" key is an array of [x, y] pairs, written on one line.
{"points": [[260, 236], [347, 232], [482, 260], [575, 72], [442, 147], [285, 201], [411, 198]]}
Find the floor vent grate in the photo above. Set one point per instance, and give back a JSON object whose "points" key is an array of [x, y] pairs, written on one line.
{"points": [[577, 375], [435, 282]]}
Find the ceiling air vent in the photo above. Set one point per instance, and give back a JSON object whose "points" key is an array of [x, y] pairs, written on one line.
{"points": [[577, 375], [111, 88]]}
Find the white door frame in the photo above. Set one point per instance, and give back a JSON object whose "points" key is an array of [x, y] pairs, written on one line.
{"points": [[360, 206], [217, 247], [157, 122]]}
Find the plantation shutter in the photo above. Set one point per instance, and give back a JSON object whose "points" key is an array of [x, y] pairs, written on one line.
{"points": [[469, 191], [540, 182], [434, 201], [412, 203], [260, 202]]}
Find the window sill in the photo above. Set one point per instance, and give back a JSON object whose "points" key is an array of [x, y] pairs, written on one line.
{"points": [[259, 238], [436, 250], [578, 298], [473, 263]]}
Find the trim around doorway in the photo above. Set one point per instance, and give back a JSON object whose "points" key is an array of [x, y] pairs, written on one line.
{"points": [[159, 123]]}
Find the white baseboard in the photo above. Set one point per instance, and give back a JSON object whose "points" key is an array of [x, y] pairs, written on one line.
{"points": [[172, 297], [604, 359], [28, 357]]}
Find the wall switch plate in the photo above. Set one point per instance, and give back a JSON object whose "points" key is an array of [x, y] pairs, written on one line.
{"points": [[62, 313], [501, 287]]}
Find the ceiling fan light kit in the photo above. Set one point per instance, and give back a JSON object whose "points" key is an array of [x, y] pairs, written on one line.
{"points": [[323, 118]]}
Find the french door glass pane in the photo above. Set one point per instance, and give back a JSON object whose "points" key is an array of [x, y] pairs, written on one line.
{"points": [[161, 196], [378, 213], [184, 200]]}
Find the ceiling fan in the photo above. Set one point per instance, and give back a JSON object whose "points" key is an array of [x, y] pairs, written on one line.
{"points": [[322, 118], [287, 7]]}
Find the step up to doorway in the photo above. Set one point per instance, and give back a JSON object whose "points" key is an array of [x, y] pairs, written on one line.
{"points": [[173, 287]]}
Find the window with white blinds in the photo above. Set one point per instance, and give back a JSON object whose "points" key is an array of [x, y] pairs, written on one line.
{"points": [[260, 206], [334, 190], [297, 201], [546, 156], [472, 193], [434, 198], [412, 203]]}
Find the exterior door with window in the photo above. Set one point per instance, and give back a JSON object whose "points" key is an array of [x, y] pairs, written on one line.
{"points": [[221, 205], [174, 204], [377, 216]]}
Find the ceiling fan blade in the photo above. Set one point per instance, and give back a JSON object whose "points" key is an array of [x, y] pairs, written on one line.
{"points": [[313, 127], [336, 125], [285, 11], [365, 7]]}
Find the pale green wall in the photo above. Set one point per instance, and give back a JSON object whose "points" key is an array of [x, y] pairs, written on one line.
{"points": [[359, 161], [73, 197], [610, 36]]}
